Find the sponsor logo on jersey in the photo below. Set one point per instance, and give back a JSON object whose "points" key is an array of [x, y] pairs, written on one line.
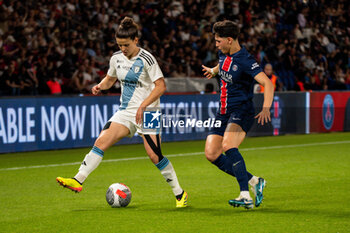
{"points": [[255, 65], [126, 67], [131, 83], [225, 76]]}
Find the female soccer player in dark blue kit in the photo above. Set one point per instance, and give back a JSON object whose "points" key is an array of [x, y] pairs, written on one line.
{"points": [[237, 70]]}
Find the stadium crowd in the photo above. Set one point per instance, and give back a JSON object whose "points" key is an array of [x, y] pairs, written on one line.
{"points": [[63, 46]]}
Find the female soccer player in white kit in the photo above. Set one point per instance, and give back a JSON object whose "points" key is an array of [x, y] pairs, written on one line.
{"points": [[142, 84]]}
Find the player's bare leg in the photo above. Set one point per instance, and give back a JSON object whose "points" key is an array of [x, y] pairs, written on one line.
{"points": [[213, 147], [152, 146]]}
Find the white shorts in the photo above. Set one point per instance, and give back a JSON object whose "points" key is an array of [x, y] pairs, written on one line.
{"points": [[128, 119]]}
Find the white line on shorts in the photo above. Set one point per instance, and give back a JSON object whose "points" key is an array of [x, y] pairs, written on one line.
{"points": [[177, 155]]}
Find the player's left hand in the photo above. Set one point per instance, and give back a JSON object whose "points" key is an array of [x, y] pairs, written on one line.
{"points": [[264, 116], [139, 114]]}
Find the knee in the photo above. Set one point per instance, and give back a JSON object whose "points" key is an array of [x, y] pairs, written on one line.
{"points": [[226, 145], [211, 154]]}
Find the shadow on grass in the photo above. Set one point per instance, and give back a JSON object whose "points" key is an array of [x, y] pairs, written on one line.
{"points": [[335, 213], [224, 211], [106, 208]]}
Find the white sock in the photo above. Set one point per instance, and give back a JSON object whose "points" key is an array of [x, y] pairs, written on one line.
{"points": [[90, 163], [168, 172], [253, 181], [245, 194]]}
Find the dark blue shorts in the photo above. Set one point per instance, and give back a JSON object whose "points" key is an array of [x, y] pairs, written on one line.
{"points": [[242, 115]]}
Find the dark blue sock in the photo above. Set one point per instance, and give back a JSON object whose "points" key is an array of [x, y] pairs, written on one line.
{"points": [[224, 164], [249, 175], [239, 168]]}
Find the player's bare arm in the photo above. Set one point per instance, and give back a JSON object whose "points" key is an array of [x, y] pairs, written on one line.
{"points": [[210, 72], [156, 93], [105, 84], [264, 115]]}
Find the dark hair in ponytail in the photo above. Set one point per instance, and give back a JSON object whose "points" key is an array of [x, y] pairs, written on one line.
{"points": [[127, 29]]}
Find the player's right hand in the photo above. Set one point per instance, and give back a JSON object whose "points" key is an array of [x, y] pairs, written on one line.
{"points": [[264, 116], [96, 89], [207, 72]]}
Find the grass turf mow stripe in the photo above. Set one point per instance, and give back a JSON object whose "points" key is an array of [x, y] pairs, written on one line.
{"points": [[178, 155]]}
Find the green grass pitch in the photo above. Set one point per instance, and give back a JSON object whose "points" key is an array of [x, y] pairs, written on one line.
{"points": [[308, 189]]}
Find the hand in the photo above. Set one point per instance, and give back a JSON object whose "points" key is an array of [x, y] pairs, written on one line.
{"points": [[264, 116], [96, 89], [207, 72], [139, 114]]}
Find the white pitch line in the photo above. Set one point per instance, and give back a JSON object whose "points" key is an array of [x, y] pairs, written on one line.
{"points": [[296, 145], [177, 155]]}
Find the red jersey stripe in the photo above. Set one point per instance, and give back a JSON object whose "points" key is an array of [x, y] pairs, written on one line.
{"points": [[223, 97], [227, 64]]}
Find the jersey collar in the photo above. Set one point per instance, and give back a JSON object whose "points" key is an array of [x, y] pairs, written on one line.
{"points": [[135, 57], [238, 53]]}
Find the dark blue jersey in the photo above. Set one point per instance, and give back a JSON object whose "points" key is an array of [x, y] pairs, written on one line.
{"points": [[237, 72]]}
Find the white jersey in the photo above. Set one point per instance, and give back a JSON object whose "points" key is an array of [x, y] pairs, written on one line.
{"points": [[136, 77]]}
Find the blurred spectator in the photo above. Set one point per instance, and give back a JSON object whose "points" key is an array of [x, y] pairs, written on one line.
{"points": [[274, 79], [54, 84], [12, 80], [90, 78], [299, 85], [78, 83], [178, 71], [347, 78], [27, 83], [30, 73], [303, 40], [10, 47], [315, 81], [309, 63], [209, 89]]}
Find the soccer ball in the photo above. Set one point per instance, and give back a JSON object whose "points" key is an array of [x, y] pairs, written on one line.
{"points": [[118, 195]]}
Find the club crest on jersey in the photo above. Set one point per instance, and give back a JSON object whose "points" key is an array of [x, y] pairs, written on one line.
{"points": [[136, 69], [235, 67]]}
